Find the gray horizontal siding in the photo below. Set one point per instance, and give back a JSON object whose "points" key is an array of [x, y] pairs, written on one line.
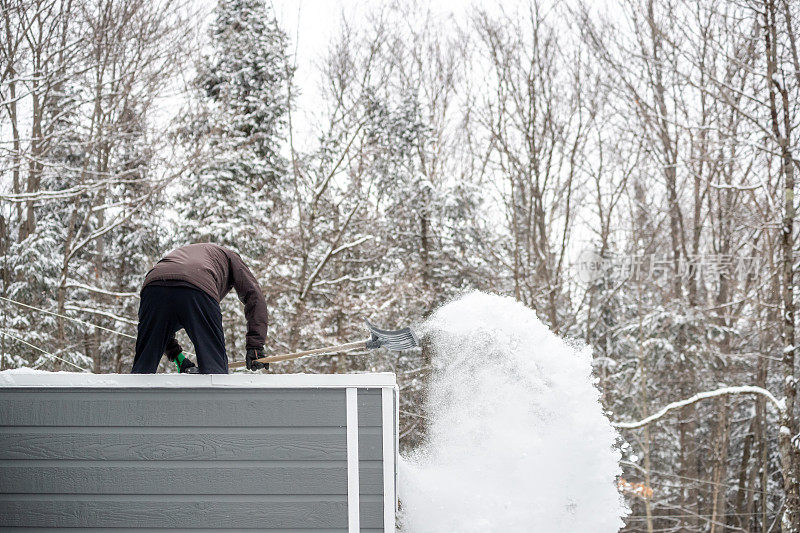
{"points": [[185, 444], [183, 407], [180, 459], [193, 530], [282, 477], [219, 512], [371, 495]]}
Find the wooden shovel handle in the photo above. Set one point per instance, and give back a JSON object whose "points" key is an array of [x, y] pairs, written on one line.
{"points": [[295, 355]]}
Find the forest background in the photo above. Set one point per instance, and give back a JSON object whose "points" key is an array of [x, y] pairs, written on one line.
{"points": [[627, 169]]}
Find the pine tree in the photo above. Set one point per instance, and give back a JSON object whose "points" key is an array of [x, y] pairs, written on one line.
{"points": [[242, 88]]}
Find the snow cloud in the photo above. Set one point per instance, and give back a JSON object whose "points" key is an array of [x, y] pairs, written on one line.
{"points": [[517, 437]]}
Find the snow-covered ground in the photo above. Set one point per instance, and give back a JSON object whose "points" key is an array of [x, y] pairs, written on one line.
{"points": [[518, 441]]}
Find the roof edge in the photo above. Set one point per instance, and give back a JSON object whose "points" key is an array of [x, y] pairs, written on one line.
{"points": [[148, 381]]}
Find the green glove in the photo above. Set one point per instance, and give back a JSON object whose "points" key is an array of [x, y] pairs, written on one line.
{"points": [[185, 366]]}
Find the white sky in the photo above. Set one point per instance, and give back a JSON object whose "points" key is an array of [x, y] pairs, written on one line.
{"points": [[311, 25]]}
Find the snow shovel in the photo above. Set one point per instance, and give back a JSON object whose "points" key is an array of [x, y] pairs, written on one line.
{"points": [[401, 339]]}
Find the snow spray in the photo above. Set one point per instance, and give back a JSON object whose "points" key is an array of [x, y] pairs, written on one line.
{"points": [[517, 438]]}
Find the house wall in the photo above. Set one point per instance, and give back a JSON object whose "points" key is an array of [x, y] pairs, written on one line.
{"points": [[187, 458]]}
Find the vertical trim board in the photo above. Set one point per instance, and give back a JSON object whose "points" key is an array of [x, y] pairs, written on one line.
{"points": [[389, 500], [353, 517], [396, 429]]}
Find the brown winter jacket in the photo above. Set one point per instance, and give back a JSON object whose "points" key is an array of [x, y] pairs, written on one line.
{"points": [[215, 270]]}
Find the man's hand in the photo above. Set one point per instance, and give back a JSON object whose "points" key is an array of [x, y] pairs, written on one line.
{"points": [[173, 349], [187, 367], [252, 355]]}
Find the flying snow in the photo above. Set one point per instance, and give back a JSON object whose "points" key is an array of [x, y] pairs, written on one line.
{"points": [[517, 438]]}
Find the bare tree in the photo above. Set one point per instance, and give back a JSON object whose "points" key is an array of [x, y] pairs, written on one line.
{"points": [[536, 118]]}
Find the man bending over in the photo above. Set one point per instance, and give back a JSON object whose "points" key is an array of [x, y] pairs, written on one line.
{"points": [[183, 290]]}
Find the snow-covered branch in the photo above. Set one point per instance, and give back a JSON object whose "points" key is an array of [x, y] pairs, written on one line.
{"points": [[351, 244], [70, 307], [725, 186], [745, 389], [76, 285], [70, 192], [349, 278]]}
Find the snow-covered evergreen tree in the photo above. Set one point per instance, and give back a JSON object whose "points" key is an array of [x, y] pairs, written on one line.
{"points": [[242, 92]]}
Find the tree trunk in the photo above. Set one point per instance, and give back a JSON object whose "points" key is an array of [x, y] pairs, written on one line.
{"points": [[789, 454], [718, 514]]}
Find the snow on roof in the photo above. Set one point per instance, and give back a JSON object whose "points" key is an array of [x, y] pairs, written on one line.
{"points": [[26, 377]]}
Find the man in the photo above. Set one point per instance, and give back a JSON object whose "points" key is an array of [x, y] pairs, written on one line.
{"points": [[183, 290]]}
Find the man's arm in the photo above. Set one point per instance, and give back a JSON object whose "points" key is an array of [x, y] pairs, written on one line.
{"points": [[255, 307]]}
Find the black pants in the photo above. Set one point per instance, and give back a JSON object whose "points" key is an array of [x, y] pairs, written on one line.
{"points": [[165, 310]]}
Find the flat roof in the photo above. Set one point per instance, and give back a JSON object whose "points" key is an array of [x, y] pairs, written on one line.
{"points": [[37, 378]]}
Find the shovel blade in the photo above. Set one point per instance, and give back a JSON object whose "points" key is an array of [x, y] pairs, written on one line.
{"points": [[398, 340]]}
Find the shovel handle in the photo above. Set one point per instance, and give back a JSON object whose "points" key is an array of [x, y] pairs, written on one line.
{"points": [[295, 355]]}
